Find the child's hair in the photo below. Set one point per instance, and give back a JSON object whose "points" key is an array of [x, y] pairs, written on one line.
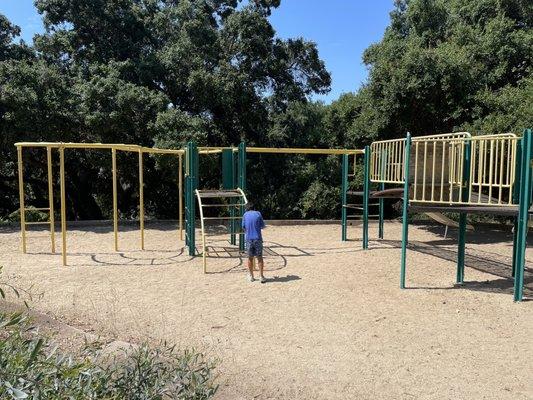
{"points": [[249, 206]]}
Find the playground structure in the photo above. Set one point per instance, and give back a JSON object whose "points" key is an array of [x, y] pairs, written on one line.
{"points": [[231, 197], [456, 173], [439, 173], [233, 188]]}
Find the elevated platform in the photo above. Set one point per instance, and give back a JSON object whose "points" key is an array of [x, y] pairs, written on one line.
{"points": [[218, 194], [470, 209], [394, 193]]}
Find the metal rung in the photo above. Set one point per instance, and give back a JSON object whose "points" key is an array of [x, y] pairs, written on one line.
{"points": [[38, 223], [359, 206], [37, 209], [222, 205], [205, 218]]}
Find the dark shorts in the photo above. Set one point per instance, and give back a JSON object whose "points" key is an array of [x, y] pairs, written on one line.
{"points": [[254, 248]]}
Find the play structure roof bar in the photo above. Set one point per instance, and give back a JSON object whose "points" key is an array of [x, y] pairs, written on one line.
{"points": [[201, 150], [283, 150], [107, 146], [274, 150]]}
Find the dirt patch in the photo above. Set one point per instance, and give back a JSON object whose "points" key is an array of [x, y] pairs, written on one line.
{"points": [[331, 323]]}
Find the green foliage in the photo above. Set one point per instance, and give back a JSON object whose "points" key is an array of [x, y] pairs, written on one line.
{"points": [[165, 72], [151, 73], [444, 65], [31, 368], [32, 215]]}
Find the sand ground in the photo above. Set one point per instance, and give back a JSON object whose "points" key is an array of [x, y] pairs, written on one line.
{"points": [[331, 323]]}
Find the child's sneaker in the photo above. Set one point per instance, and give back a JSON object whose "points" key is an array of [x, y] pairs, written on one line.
{"points": [[263, 279], [251, 278]]}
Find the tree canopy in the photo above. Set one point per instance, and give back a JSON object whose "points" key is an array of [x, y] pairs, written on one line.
{"points": [[161, 72]]}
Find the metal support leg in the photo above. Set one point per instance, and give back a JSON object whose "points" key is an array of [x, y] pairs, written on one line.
{"points": [[344, 189], [141, 199], [405, 209], [51, 198], [366, 196], [525, 201], [62, 191], [115, 199], [461, 249], [21, 200], [381, 212]]}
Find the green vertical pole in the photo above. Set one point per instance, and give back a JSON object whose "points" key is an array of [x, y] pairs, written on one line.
{"points": [[382, 200], [463, 216], [191, 184], [516, 200], [523, 215], [344, 189], [381, 212], [228, 182], [405, 208], [366, 196], [242, 183]]}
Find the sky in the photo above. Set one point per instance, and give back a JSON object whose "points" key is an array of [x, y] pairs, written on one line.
{"points": [[342, 30]]}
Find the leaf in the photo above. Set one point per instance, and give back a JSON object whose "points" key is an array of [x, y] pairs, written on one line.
{"points": [[16, 393], [35, 351]]}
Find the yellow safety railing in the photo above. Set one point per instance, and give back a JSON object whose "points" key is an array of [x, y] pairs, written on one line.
{"points": [[493, 169], [387, 161], [437, 166], [387, 158]]}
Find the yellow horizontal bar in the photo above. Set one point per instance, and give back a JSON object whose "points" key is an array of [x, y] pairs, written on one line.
{"points": [[37, 209], [508, 135], [224, 218], [211, 151], [451, 135], [38, 223], [274, 150], [220, 148], [103, 146], [462, 203], [155, 150]]}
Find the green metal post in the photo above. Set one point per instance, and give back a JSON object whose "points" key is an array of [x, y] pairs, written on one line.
{"points": [[516, 200], [381, 212], [366, 196], [344, 189], [405, 209], [382, 200], [242, 183], [523, 214], [463, 216], [228, 182], [191, 184]]}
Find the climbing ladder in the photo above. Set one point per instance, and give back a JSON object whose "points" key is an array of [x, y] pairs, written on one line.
{"points": [[233, 200]]}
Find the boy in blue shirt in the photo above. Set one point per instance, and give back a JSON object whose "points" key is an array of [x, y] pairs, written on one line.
{"points": [[252, 223]]}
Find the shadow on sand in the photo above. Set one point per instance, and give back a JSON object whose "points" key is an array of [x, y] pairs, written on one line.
{"points": [[491, 263]]}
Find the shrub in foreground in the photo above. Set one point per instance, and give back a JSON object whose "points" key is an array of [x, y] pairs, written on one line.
{"points": [[31, 368]]}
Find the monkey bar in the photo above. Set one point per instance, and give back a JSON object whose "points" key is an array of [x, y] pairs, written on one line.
{"points": [[113, 147]]}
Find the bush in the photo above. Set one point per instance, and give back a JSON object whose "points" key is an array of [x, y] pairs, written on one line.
{"points": [[30, 367]]}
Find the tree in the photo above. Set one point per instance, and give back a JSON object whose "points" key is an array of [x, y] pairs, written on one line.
{"points": [[148, 72], [440, 61]]}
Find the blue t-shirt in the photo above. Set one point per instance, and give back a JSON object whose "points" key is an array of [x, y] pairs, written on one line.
{"points": [[252, 223]]}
